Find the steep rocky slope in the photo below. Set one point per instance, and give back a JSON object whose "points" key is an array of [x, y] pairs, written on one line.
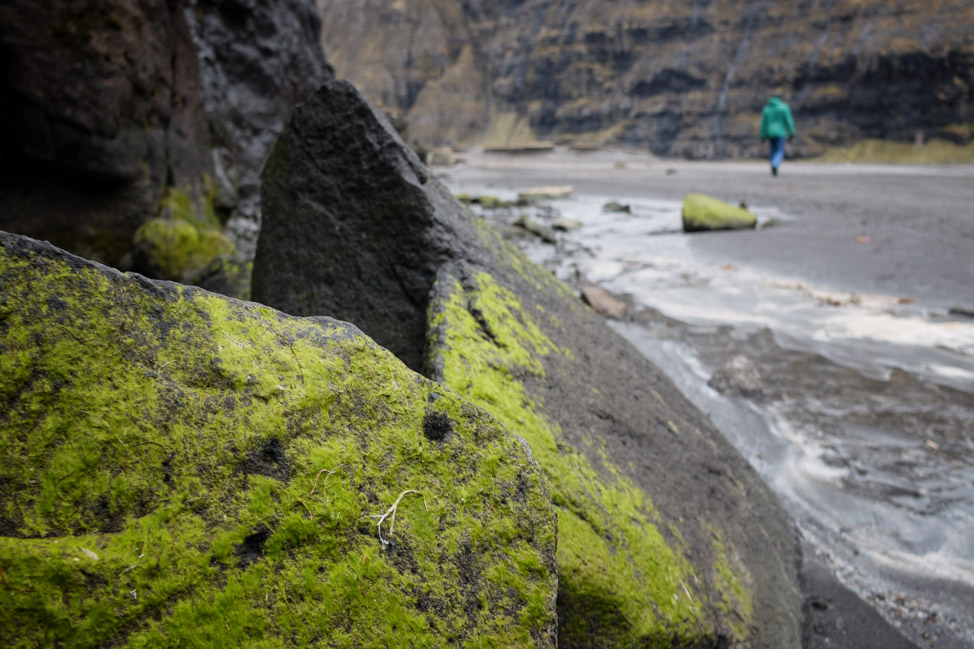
{"points": [[118, 111], [679, 78]]}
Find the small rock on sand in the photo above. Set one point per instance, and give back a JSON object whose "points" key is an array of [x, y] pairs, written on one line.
{"points": [[566, 225], [530, 225], [738, 376], [548, 192], [616, 206], [602, 302]]}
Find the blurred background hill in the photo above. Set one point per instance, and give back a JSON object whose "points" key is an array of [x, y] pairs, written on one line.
{"points": [[676, 77]]}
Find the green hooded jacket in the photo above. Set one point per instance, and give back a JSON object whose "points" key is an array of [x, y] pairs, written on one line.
{"points": [[776, 120]]}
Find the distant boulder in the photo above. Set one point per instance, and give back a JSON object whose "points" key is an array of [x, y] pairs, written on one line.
{"points": [[566, 225], [528, 224], [546, 193], [702, 213], [615, 206]]}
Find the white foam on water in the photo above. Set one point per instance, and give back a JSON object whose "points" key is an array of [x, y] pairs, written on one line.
{"points": [[694, 292], [806, 460], [950, 372], [866, 324], [940, 564]]}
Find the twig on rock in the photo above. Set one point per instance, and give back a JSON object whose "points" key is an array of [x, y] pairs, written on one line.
{"points": [[392, 511], [306, 508], [315, 485], [290, 345], [6, 584]]}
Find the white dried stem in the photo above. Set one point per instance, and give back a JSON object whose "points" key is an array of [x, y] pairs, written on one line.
{"points": [[392, 511], [330, 472]]}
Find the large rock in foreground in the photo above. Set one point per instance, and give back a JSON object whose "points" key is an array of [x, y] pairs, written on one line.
{"points": [[181, 469], [666, 536]]}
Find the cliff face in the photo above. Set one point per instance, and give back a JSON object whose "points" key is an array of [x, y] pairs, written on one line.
{"points": [[106, 108], [679, 78]]}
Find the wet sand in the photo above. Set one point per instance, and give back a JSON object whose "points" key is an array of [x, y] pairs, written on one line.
{"points": [[919, 220], [865, 426]]}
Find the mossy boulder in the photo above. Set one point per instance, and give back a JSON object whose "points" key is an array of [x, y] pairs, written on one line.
{"points": [[183, 469], [172, 248], [666, 535], [226, 275], [702, 213]]}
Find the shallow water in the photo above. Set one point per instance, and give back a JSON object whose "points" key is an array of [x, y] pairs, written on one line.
{"points": [[865, 426]]}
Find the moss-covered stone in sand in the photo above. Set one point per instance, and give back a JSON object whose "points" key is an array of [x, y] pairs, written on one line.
{"points": [[180, 469], [702, 213]]}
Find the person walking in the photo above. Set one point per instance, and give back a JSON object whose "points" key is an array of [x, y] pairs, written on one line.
{"points": [[776, 125]]}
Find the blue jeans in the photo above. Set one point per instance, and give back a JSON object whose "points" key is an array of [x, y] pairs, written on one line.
{"points": [[777, 151]]}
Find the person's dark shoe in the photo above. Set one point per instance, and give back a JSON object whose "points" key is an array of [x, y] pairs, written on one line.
{"points": [[774, 171]]}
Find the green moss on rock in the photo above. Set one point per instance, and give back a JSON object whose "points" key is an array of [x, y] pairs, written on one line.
{"points": [[733, 585], [179, 203], [702, 212], [620, 579], [170, 248], [185, 241], [180, 469], [227, 275]]}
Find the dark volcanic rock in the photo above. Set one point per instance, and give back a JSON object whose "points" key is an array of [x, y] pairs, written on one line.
{"points": [[100, 109], [681, 78], [257, 60], [353, 224], [666, 535], [106, 106]]}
